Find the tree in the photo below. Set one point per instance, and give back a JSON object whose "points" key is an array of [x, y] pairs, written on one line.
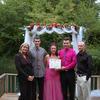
{"points": [[17, 13], [12, 17], [87, 16]]}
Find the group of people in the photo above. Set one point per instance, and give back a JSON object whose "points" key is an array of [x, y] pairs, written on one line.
{"points": [[34, 71]]}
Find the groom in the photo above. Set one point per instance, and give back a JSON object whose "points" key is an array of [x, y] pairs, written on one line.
{"points": [[68, 61]]}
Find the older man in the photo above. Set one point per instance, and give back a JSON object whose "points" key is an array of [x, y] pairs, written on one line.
{"points": [[84, 65]]}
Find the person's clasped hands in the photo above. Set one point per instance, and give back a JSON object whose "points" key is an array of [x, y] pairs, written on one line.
{"points": [[30, 78]]}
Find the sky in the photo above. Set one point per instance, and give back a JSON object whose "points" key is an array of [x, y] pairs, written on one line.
{"points": [[98, 1]]}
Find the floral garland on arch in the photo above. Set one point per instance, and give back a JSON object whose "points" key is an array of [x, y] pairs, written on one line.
{"points": [[54, 27], [35, 29]]}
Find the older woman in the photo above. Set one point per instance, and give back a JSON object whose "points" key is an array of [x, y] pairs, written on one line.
{"points": [[25, 73]]}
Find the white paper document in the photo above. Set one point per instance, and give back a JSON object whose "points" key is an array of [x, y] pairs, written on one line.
{"points": [[55, 63]]}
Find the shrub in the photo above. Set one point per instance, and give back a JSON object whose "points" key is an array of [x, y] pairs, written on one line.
{"points": [[7, 65], [94, 50]]}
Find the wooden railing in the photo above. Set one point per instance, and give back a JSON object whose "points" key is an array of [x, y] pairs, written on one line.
{"points": [[2, 84], [9, 83], [95, 82]]}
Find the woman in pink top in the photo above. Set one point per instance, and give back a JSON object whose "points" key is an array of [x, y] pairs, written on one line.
{"points": [[52, 86]]}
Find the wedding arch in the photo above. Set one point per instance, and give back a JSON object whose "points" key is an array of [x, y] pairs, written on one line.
{"points": [[35, 29]]}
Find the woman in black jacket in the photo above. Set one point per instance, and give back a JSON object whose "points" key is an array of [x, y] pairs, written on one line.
{"points": [[25, 73]]}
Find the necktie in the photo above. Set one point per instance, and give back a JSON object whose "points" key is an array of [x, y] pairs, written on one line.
{"points": [[37, 58], [65, 55]]}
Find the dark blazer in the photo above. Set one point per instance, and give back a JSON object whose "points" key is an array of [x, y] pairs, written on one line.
{"points": [[24, 66]]}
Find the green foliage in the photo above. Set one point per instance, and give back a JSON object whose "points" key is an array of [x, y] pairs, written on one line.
{"points": [[47, 39], [85, 15], [17, 13], [94, 51], [7, 65], [96, 65], [12, 14], [82, 12]]}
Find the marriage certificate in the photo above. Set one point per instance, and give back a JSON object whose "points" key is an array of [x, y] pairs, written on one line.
{"points": [[55, 63]]}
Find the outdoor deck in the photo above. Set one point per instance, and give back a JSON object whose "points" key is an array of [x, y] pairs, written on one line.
{"points": [[9, 96], [9, 86]]}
